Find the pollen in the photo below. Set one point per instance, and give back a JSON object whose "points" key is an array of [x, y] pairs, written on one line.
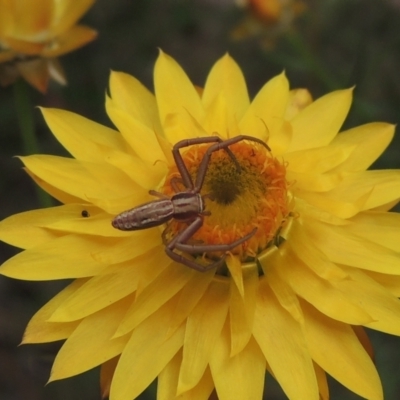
{"points": [[237, 199]]}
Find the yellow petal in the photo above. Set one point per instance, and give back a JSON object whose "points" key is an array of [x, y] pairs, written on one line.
{"points": [[115, 283], [298, 99], [189, 296], [111, 205], [32, 228], [218, 120], [181, 126], [282, 342], [312, 257], [280, 140], [235, 269], [342, 247], [67, 13], [174, 91], [238, 377], [146, 354], [74, 38], [264, 117], [28, 229], [226, 79], [306, 210], [386, 207], [84, 139], [85, 180], [367, 224], [310, 131], [144, 173], [242, 308], [314, 182], [166, 285], [320, 159], [29, 19], [21, 46], [322, 294], [203, 327], [383, 307], [165, 145], [338, 207], [168, 380], [91, 343], [40, 330], [390, 282], [116, 206], [335, 347], [131, 96], [380, 187], [55, 260], [127, 248], [58, 194], [97, 222], [138, 136], [6, 17], [371, 140], [285, 295]]}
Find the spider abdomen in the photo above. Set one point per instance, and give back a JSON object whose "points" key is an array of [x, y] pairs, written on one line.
{"points": [[145, 216]]}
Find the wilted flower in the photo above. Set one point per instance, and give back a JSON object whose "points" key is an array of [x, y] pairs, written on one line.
{"points": [[33, 33], [267, 19], [293, 299]]}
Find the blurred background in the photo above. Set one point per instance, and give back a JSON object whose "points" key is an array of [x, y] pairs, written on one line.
{"points": [[322, 45]]}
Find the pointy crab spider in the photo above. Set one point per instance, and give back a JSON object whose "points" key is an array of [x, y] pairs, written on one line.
{"points": [[185, 206]]}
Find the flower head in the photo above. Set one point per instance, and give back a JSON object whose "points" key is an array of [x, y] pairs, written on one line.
{"points": [[34, 33], [267, 19], [293, 299]]}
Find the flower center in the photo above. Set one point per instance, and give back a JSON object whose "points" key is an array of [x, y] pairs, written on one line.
{"points": [[237, 200]]}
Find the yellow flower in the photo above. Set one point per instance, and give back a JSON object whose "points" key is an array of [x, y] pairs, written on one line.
{"points": [[293, 300], [34, 33]]}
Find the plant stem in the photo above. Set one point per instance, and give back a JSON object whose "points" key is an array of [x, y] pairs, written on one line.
{"points": [[25, 118], [297, 42]]}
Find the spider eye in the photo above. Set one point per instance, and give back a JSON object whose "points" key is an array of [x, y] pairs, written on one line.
{"points": [[85, 213]]}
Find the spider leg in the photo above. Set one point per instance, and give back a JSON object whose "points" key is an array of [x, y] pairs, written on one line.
{"points": [[185, 235], [193, 264], [180, 164], [158, 194], [164, 235], [174, 183], [206, 248], [223, 145], [178, 242]]}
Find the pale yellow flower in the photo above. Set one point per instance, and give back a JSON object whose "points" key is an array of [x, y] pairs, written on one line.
{"points": [[33, 33], [293, 300]]}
